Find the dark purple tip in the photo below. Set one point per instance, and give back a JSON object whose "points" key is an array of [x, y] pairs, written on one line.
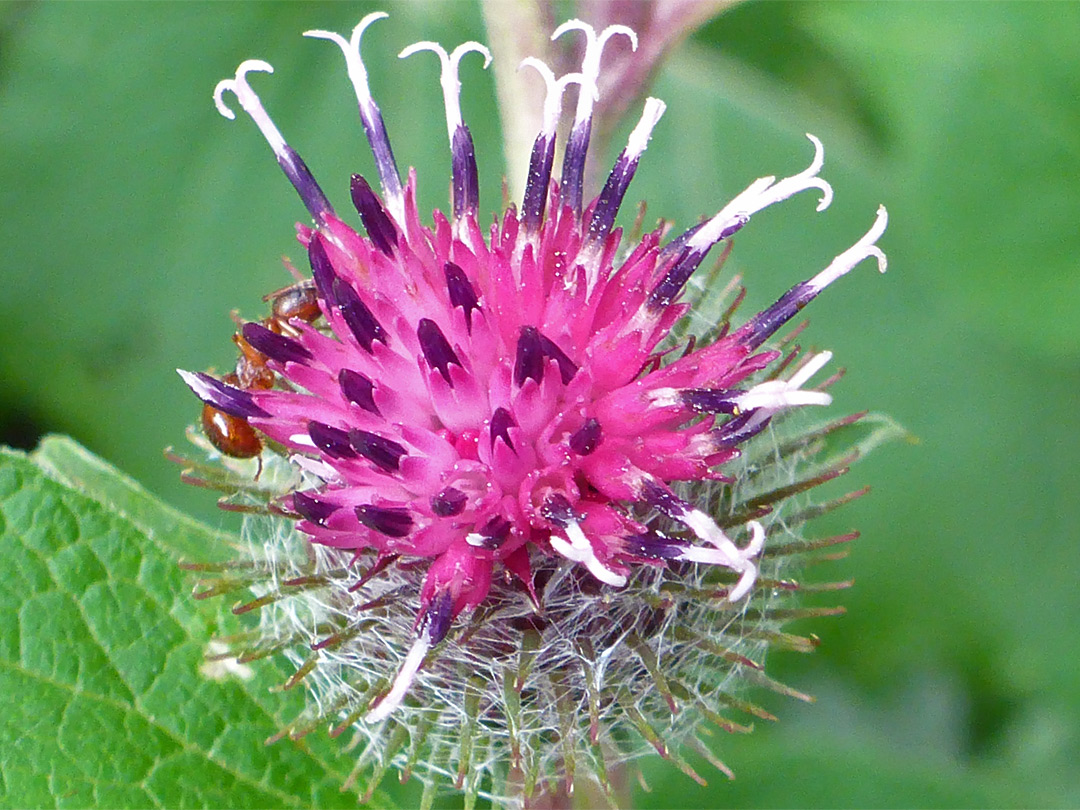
{"points": [[222, 396], [495, 532], [567, 367], [365, 328], [449, 502], [669, 287], [586, 438], [558, 510], [607, 204], [529, 362], [711, 400], [381, 229], [382, 452], [663, 500], [501, 422], [536, 186], [304, 182], [461, 291], [275, 346], [375, 130], [436, 348], [652, 546], [435, 623], [464, 177], [393, 521], [676, 245], [764, 325], [331, 440], [358, 389], [735, 431], [533, 352], [311, 509], [321, 268], [572, 185]]}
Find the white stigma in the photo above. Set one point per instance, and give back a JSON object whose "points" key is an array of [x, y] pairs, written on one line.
{"points": [[451, 84], [863, 249], [555, 90], [402, 681], [240, 88], [776, 395], [724, 551], [639, 138], [580, 550], [590, 63], [353, 62], [762, 193]]}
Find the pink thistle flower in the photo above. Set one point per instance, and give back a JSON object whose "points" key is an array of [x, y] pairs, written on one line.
{"points": [[477, 400]]}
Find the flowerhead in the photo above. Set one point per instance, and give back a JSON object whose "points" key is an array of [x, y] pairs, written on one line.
{"points": [[499, 433]]}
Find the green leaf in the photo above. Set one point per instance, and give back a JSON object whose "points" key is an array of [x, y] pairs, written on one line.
{"points": [[71, 464], [104, 695]]}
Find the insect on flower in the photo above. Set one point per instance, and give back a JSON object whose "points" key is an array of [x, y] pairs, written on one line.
{"points": [[489, 416]]}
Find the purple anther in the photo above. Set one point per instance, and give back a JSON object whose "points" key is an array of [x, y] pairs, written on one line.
{"points": [[495, 532], [652, 546], [669, 287], [331, 440], [377, 222], [312, 509], [436, 348], [275, 346], [382, 452], [224, 397], [711, 400], [393, 521], [536, 185], [304, 182], [321, 268], [567, 367], [501, 422], [435, 623], [365, 328], [558, 510], [449, 502], [529, 361], [764, 325], [358, 389], [571, 189], [465, 179], [461, 292], [586, 438], [663, 500]]}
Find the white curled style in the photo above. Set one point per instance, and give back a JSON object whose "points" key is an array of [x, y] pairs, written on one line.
{"points": [[863, 249], [555, 90], [354, 63], [451, 84], [590, 63], [776, 395], [762, 193], [240, 88], [402, 681], [724, 552], [578, 549]]}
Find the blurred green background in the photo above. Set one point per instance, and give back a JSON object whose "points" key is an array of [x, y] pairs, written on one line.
{"points": [[134, 219]]}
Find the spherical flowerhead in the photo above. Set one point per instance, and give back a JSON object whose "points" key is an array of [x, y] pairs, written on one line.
{"points": [[502, 425]]}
